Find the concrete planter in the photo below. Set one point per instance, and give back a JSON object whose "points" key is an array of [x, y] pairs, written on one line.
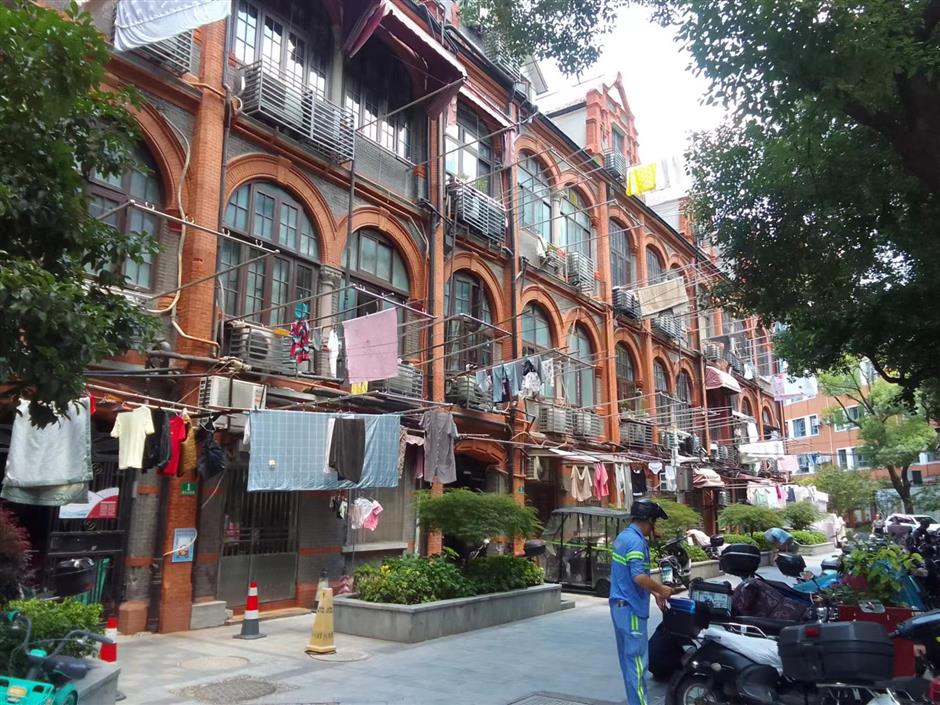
{"points": [[766, 558], [817, 549], [414, 623], [706, 570], [100, 686]]}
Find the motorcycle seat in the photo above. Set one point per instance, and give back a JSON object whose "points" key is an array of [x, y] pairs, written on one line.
{"points": [[916, 688], [768, 625], [758, 684]]}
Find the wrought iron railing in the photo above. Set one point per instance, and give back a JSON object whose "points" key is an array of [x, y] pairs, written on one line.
{"points": [[175, 53]]}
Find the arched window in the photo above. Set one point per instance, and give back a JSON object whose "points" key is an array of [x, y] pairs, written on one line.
{"points": [[470, 155], [297, 43], [142, 185], [683, 413], [469, 342], [660, 377], [767, 422], [655, 267], [581, 390], [536, 330], [664, 401], [535, 200], [266, 291], [575, 225], [621, 259], [684, 388], [746, 408], [627, 392]]}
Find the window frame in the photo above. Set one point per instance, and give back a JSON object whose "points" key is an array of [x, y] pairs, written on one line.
{"points": [[802, 421], [476, 348], [622, 260], [535, 196], [627, 386], [652, 255], [469, 137], [536, 314], [579, 379], [575, 219]]}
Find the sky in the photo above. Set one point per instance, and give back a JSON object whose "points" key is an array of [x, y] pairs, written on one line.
{"points": [[664, 94]]}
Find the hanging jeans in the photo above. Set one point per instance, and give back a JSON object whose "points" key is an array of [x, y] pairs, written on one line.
{"points": [[632, 650]]}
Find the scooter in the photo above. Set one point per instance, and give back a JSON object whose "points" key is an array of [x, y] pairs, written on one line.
{"points": [[49, 677], [849, 663]]}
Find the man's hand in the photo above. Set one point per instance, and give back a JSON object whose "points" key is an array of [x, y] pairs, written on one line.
{"points": [[662, 594]]}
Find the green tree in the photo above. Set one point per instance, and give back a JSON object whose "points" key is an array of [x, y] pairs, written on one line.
{"points": [[681, 519], [59, 311], [747, 518], [892, 436], [801, 515], [848, 490]]}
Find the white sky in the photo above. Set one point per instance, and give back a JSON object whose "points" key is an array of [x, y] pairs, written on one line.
{"points": [[664, 94]]}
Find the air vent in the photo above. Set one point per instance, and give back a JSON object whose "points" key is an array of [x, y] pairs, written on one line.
{"points": [[553, 419], [626, 303], [581, 272]]}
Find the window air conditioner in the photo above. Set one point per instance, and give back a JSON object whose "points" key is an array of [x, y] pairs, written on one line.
{"points": [[216, 392]]}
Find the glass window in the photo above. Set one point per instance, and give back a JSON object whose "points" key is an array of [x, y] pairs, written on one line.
{"points": [[627, 392], [843, 457], [470, 155], [799, 428], [535, 198], [618, 142], [581, 390], [814, 425], [655, 267], [660, 377], [470, 344], [684, 387], [259, 35], [142, 185], [266, 291], [746, 408], [621, 259], [377, 83], [536, 330], [575, 225]]}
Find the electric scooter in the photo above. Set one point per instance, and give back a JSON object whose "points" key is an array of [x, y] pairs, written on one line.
{"points": [[49, 676]]}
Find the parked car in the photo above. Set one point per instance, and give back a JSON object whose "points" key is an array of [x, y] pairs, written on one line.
{"points": [[912, 521]]}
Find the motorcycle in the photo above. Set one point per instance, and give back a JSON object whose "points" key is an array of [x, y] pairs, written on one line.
{"points": [[849, 663], [49, 677]]}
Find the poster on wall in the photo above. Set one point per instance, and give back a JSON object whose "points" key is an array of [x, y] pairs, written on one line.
{"points": [[184, 541], [102, 504]]}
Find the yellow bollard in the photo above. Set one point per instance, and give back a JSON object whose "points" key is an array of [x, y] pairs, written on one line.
{"points": [[321, 636]]}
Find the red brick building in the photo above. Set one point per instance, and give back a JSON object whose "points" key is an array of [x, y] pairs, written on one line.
{"points": [[495, 233]]}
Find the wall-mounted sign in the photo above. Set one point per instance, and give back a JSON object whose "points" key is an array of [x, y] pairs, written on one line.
{"points": [[188, 489], [184, 541], [102, 504]]}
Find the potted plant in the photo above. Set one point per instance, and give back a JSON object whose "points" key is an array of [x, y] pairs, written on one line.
{"points": [[554, 258]]}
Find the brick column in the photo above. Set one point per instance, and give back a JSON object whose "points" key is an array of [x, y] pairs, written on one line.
{"points": [[132, 614], [612, 409]]}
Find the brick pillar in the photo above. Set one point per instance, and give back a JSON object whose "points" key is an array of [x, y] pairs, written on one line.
{"points": [[609, 382], [132, 614], [518, 492]]}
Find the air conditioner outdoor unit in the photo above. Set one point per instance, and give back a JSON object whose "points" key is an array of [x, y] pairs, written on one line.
{"points": [[634, 433], [581, 272], [553, 419], [532, 471], [586, 424], [712, 351], [409, 382], [259, 347], [216, 392], [626, 303], [466, 392]]}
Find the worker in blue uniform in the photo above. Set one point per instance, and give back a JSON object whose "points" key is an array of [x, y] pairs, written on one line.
{"points": [[630, 588]]}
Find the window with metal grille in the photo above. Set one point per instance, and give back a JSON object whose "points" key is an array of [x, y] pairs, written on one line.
{"points": [[143, 185], [267, 291]]}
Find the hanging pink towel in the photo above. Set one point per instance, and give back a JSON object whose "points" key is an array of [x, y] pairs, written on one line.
{"points": [[600, 481], [372, 520], [372, 346]]}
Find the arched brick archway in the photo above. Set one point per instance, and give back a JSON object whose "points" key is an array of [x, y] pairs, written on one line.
{"points": [[471, 262], [538, 296], [280, 171], [165, 148], [525, 143]]}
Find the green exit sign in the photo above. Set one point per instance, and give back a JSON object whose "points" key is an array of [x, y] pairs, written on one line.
{"points": [[188, 489]]}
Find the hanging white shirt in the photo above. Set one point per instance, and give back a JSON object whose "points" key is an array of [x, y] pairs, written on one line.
{"points": [[131, 428]]}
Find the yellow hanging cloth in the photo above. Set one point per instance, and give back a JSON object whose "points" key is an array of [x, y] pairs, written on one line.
{"points": [[641, 178]]}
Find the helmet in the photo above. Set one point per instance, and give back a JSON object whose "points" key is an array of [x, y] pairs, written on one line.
{"points": [[647, 510]]}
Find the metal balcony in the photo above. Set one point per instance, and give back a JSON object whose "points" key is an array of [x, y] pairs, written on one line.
{"points": [[481, 213], [174, 54], [626, 303], [735, 362], [615, 164], [495, 49], [277, 97], [669, 326], [633, 433]]}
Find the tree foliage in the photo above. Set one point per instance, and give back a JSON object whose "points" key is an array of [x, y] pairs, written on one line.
{"points": [[893, 436], [848, 490], [681, 519], [748, 518], [801, 515], [14, 557], [470, 517], [59, 267]]}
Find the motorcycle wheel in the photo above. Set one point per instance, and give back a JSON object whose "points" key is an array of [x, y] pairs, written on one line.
{"points": [[696, 690]]}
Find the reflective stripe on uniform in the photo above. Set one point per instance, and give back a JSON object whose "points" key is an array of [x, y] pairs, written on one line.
{"points": [[640, 687], [618, 558], [635, 556]]}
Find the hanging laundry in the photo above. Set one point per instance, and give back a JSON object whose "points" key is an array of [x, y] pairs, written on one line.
{"points": [[484, 379], [622, 484], [440, 435], [548, 372], [419, 464], [531, 385], [641, 178], [669, 478], [49, 466], [752, 435], [131, 428], [402, 447], [372, 346], [300, 334], [581, 483], [505, 385], [348, 448], [638, 480], [371, 521], [364, 514], [332, 346], [316, 339], [157, 446], [359, 388], [601, 487], [289, 447], [178, 430], [330, 423], [189, 453], [662, 296], [212, 461]]}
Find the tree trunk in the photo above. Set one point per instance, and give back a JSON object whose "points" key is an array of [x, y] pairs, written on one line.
{"points": [[902, 485]]}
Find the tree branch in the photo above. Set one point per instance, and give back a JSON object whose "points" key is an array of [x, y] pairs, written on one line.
{"points": [[881, 370]]}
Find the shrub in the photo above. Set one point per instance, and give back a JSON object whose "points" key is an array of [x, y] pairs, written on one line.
{"points": [[681, 519], [410, 580], [697, 554], [760, 540], [502, 573], [748, 518], [471, 517], [14, 557], [51, 620], [740, 538], [801, 515], [809, 538]]}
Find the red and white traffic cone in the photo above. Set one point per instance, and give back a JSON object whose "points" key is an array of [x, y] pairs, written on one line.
{"points": [[108, 652], [345, 585], [250, 628]]}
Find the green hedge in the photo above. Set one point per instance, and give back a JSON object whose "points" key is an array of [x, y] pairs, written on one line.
{"points": [[809, 538], [51, 620], [760, 540], [412, 580], [739, 538]]}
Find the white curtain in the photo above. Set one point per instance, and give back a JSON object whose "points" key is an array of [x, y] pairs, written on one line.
{"points": [[142, 22]]}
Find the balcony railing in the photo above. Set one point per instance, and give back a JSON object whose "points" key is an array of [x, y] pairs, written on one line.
{"points": [[479, 212], [668, 325], [636, 434], [735, 362], [275, 96], [175, 54], [495, 49], [581, 272], [615, 164]]}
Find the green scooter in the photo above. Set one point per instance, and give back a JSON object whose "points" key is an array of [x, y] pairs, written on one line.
{"points": [[49, 679]]}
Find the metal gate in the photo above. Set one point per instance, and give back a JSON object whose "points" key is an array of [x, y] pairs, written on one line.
{"points": [[259, 541]]}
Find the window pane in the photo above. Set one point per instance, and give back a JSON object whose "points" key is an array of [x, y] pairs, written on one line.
{"points": [[139, 274], [236, 214], [280, 292], [367, 255], [384, 264], [308, 241], [399, 274], [254, 290], [246, 27], [272, 39], [296, 57], [229, 257], [264, 216], [304, 288], [288, 232]]}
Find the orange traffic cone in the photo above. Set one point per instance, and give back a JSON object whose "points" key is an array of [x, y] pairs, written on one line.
{"points": [[250, 628], [108, 652]]}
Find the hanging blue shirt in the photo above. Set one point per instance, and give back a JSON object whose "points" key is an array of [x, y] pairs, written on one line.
{"points": [[630, 558]]}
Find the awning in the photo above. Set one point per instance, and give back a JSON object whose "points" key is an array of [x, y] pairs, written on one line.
{"points": [[362, 18], [704, 478], [484, 106], [718, 379]]}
